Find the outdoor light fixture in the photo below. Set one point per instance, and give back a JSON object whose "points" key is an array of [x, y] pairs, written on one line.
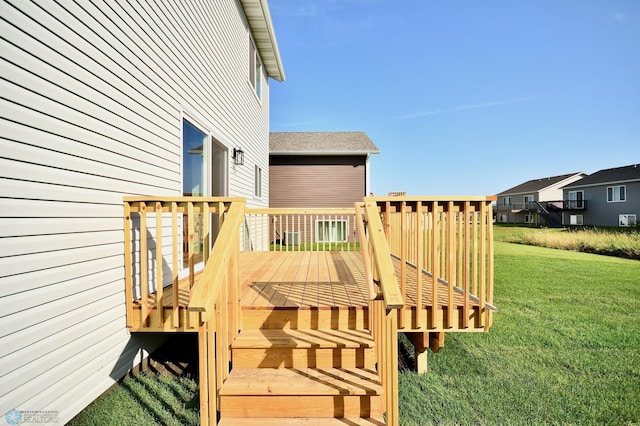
{"points": [[238, 156]]}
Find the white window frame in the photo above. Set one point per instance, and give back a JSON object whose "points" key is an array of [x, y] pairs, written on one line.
{"points": [[333, 231], [615, 194], [530, 198], [255, 69], [506, 201], [627, 220], [257, 184], [576, 219], [527, 218]]}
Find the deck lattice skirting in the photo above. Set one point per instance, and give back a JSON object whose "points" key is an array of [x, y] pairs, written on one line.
{"points": [[311, 299]]}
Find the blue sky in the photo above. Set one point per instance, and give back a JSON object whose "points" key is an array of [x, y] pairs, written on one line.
{"points": [[465, 97]]}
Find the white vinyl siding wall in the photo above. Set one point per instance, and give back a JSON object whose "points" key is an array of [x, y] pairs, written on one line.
{"points": [[91, 99]]}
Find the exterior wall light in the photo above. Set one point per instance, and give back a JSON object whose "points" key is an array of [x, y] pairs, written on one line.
{"points": [[238, 156]]}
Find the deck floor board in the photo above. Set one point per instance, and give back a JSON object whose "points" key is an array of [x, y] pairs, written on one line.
{"points": [[313, 279]]}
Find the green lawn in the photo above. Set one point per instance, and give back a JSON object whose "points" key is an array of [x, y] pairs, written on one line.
{"points": [[564, 348]]}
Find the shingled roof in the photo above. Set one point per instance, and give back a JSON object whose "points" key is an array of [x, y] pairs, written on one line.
{"points": [[535, 185], [321, 143], [617, 174]]}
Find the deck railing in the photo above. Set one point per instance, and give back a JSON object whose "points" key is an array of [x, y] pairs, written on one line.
{"points": [[385, 300], [299, 229], [448, 239], [199, 231]]}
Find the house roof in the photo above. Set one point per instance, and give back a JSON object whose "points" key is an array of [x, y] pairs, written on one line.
{"points": [[321, 143], [617, 174], [259, 19], [536, 185]]}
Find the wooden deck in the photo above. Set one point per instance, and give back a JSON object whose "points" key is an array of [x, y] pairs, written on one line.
{"points": [[326, 280], [302, 279]]}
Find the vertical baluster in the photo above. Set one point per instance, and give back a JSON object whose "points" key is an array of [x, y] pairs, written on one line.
{"points": [[403, 257], [474, 269], [435, 262], [484, 223], [467, 264], [206, 231], [128, 267], [144, 277], [490, 265], [451, 262], [420, 314], [191, 243], [175, 264], [159, 260]]}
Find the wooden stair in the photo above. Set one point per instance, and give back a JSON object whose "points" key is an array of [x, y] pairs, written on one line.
{"points": [[313, 374]]}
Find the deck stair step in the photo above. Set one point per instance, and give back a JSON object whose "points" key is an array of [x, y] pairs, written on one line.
{"points": [[295, 348], [341, 317], [301, 392]]}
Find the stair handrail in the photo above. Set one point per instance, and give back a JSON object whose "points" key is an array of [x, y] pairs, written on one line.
{"points": [[209, 284], [216, 296], [381, 263], [385, 302]]}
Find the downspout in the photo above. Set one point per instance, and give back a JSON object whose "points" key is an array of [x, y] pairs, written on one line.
{"points": [[367, 177]]}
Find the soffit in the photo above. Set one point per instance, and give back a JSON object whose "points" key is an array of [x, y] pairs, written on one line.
{"points": [[259, 19]]}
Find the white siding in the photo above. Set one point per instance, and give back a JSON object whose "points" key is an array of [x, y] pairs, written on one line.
{"points": [[91, 101]]}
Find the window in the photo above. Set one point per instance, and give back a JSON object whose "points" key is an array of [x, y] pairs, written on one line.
{"points": [[194, 183], [527, 219], [255, 68], [627, 220], [529, 198], [331, 231], [575, 219], [507, 201], [257, 190], [616, 194]]}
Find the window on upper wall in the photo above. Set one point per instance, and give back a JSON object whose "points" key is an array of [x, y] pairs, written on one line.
{"points": [[627, 220], [507, 201], [255, 68], [257, 189], [616, 194]]}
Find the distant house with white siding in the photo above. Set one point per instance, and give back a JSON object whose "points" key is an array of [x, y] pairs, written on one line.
{"points": [[100, 100], [536, 201]]}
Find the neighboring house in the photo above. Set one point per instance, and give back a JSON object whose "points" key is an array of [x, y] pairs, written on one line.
{"points": [[318, 169], [609, 197], [538, 201], [100, 100]]}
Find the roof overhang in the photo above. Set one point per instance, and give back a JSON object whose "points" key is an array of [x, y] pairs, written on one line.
{"points": [[326, 153], [259, 19]]}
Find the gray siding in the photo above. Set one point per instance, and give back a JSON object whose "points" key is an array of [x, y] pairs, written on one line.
{"points": [[598, 211], [91, 101]]}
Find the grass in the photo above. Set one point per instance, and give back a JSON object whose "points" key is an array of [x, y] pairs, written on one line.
{"points": [[145, 399], [316, 247], [621, 242], [564, 348]]}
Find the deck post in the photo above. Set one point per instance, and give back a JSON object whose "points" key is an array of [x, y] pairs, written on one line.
{"points": [[422, 341]]}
